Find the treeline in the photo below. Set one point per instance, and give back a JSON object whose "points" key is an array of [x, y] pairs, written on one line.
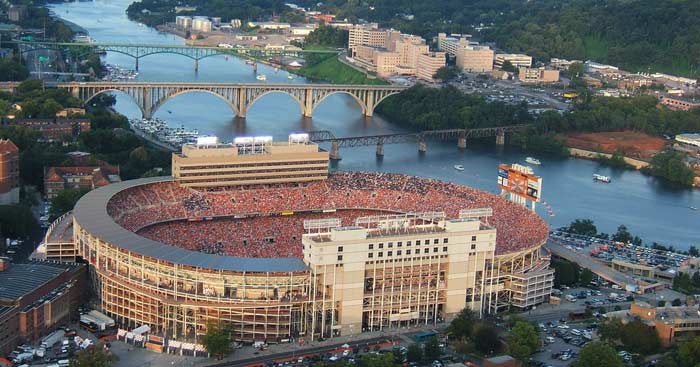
{"points": [[671, 166], [637, 35], [328, 36], [156, 12]]}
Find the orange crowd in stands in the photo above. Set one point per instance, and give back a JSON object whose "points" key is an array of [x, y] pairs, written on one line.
{"points": [[187, 218]]}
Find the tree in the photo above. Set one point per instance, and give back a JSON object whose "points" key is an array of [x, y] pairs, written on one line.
{"points": [[431, 349], [598, 354], [486, 339], [96, 356], [17, 221], [216, 340], [523, 341], [509, 67], [693, 251], [414, 353], [676, 302], [463, 325], [586, 277], [611, 330], [379, 360], [584, 227], [565, 272], [12, 71], [638, 337], [622, 234], [446, 73], [689, 352], [64, 201]]}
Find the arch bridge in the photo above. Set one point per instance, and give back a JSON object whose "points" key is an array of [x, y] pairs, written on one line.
{"points": [[138, 51], [150, 96]]}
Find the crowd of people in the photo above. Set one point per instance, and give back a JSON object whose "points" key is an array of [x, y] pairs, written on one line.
{"points": [[187, 217]]}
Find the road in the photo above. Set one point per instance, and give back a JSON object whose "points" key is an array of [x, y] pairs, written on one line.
{"points": [[585, 261]]}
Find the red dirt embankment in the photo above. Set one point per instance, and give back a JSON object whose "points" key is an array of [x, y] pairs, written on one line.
{"points": [[631, 144]]}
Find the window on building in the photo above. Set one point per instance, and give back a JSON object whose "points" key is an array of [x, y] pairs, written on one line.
{"points": [[340, 248], [370, 255], [426, 250], [408, 243], [389, 253], [435, 249], [473, 246], [380, 254], [444, 240], [371, 246], [408, 252], [473, 238], [381, 245], [398, 253], [340, 257], [444, 248], [398, 244], [436, 241], [390, 245], [426, 242]]}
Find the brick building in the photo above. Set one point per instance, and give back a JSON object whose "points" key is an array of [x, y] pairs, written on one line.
{"points": [[79, 177], [9, 172], [53, 128]]}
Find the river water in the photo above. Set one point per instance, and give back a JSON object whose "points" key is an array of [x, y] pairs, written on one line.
{"points": [[653, 210]]}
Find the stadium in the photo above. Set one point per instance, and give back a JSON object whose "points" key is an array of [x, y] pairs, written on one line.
{"points": [[175, 258]]}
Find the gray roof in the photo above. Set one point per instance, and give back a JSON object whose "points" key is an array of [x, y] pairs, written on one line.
{"points": [[91, 213], [21, 279], [6, 309]]}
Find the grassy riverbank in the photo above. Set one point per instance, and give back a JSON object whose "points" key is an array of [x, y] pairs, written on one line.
{"points": [[327, 68]]}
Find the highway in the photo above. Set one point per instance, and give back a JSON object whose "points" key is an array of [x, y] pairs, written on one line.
{"points": [[585, 261]]}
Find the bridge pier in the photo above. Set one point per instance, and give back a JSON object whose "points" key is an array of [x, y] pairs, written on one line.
{"points": [[501, 138], [380, 150], [308, 108], [462, 143], [334, 154], [196, 65], [422, 146], [137, 64]]}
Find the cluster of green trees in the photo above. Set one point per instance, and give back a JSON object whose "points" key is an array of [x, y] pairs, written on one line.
{"points": [[94, 357], [565, 272], [616, 160], [598, 354], [684, 353], [422, 352], [17, 221], [156, 12], [469, 334], [326, 67], [635, 336], [424, 108], [12, 70], [39, 17], [328, 36], [687, 284], [671, 166]]}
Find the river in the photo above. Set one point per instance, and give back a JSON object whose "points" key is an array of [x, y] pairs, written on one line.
{"points": [[652, 210]]}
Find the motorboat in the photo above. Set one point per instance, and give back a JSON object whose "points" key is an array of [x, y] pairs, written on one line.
{"points": [[459, 167]]}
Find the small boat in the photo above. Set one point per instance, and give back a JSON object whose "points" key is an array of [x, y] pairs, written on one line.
{"points": [[261, 77], [601, 178], [693, 208], [250, 62], [532, 160], [290, 76], [170, 111], [459, 167]]}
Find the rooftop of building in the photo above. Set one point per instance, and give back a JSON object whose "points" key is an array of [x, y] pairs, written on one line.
{"points": [[20, 279], [693, 136], [4, 310], [7, 146]]}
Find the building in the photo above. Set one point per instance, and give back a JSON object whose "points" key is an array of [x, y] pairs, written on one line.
{"points": [[188, 9], [78, 177], [679, 103], [371, 35], [9, 172], [236, 23], [634, 82], [275, 26], [184, 22], [53, 129], [36, 298], [517, 60], [201, 24], [690, 139], [399, 54], [478, 59], [249, 161], [539, 75], [429, 63], [298, 33], [71, 112], [669, 322], [17, 13], [451, 44]]}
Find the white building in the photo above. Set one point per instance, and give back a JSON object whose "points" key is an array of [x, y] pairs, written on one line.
{"points": [[517, 60], [690, 139]]}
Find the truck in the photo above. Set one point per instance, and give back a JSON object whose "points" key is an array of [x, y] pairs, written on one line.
{"points": [[613, 295], [52, 339], [90, 322], [108, 321]]}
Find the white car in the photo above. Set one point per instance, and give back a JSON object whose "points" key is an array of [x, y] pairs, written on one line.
{"points": [[563, 326]]}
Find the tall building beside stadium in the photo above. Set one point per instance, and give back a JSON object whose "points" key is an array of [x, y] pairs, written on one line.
{"points": [[311, 257]]}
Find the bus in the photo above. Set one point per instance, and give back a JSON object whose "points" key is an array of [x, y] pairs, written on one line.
{"points": [[420, 337]]}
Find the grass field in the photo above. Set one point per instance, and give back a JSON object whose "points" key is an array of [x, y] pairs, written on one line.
{"points": [[333, 71]]}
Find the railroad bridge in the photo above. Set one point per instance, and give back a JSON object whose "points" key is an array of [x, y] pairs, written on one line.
{"points": [[150, 96]]}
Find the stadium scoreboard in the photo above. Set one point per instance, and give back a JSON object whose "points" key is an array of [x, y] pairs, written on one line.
{"points": [[520, 181]]}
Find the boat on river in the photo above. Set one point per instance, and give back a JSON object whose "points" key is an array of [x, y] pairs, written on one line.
{"points": [[261, 77], [532, 160], [601, 178], [458, 167]]}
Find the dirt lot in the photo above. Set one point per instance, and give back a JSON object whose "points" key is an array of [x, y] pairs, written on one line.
{"points": [[631, 143]]}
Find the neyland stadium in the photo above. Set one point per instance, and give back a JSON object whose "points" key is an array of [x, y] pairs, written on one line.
{"points": [[259, 236]]}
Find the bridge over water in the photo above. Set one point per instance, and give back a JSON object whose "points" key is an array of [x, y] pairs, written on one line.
{"points": [[325, 136], [138, 51], [150, 96]]}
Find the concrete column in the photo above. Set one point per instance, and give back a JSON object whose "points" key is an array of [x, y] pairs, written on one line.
{"points": [[462, 143], [501, 138], [335, 151], [146, 101], [196, 65], [422, 146], [308, 102], [137, 64], [242, 104], [75, 92], [380, 150], [369, 103]]}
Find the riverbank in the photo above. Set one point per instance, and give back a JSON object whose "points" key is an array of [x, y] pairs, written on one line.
{"points": [[587, 154]]}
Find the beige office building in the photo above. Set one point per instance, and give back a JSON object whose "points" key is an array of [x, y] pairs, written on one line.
{"points": [[371, 35], [249, 161], [451, 44], [540, 75], [429, 64], [477, 59], [517, 60]]}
